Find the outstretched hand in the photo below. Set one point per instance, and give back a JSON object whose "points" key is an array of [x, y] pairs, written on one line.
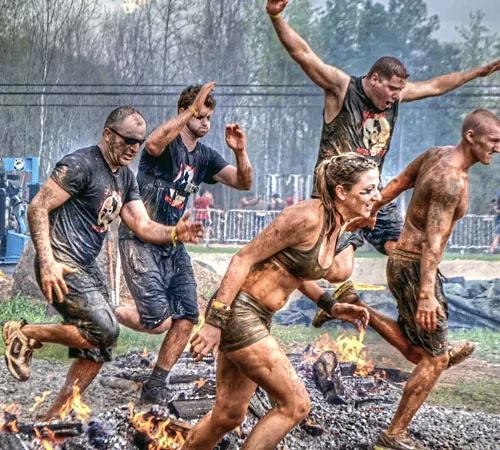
{"points": [[274, 7], [235, 138], [490, 68], [52, 280], [201, 98], [357, 315], [427, 311], [189, 231], [206, 339]]}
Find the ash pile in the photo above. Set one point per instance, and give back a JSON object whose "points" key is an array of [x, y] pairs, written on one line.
{"points": [[351, 405]]}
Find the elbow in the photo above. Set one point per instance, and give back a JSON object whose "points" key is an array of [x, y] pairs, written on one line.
{"points": [[153, 148]]}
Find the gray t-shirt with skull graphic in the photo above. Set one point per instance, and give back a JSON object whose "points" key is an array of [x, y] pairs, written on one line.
{"points": [[78, 227]]}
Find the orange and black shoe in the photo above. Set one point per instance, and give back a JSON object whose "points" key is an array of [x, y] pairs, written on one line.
{"points": [[345, 293], [18, 349]]}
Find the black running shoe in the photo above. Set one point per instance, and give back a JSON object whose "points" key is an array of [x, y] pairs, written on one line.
{"points": [[155, 394]]}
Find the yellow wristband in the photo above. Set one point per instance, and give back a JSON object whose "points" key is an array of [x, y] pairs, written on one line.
{"points": [[173, 236], [193, 110], [219, 305], [274, 16]]}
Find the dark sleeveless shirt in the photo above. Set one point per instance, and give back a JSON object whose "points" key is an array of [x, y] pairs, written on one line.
{"points": [[359, 127], [303, 264]]}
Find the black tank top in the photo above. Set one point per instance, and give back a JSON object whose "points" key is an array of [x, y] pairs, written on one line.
{"points": [[303, 264], [359, 127]]}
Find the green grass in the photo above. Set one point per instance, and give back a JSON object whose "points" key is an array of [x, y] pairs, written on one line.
{"points": [[481, 395]]}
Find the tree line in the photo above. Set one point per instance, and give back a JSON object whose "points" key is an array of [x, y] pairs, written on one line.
{"points": [[67, 63]]}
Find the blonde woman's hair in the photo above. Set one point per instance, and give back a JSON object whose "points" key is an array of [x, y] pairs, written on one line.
{"points": [[342, 170]]}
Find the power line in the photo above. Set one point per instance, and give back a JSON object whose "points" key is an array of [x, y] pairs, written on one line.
{"points": [[226, 94], [248, 85], [153, 105]]}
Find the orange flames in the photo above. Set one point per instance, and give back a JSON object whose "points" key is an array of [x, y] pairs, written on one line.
{"points": [[145, 353], [200, 383], [156, 430], [39, 400], [76, 405], [6, 423], [348, 349], [45, 442]]}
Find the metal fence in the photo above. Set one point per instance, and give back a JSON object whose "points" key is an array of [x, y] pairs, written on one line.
{"points": [[238, 226]]}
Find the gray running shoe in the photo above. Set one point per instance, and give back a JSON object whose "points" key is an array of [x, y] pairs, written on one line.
{"points": [[156, 395], [460, 354], [397, 442], [18, 349]]}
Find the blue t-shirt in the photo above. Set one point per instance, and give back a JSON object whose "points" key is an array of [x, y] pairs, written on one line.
{"points": [[78, 227]]}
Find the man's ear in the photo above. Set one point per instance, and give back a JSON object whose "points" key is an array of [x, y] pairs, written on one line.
{"points": [[469, 136]]}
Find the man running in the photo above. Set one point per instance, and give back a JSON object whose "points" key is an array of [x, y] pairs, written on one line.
{"points": [[160, 277], [69, 219], [359, 116]]}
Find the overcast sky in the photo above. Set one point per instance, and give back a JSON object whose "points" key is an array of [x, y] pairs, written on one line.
{"points": [[453, 13]]}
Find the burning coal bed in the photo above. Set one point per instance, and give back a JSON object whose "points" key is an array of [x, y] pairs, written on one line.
{"points": [[351, 404]]}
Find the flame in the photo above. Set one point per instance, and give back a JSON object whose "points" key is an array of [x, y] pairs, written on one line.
{"points": [[201, 322], [347, 348], [76, 405], [39, 400], [200, 383], [45, 442], [7, 423], [145, 353], [157, 430]]}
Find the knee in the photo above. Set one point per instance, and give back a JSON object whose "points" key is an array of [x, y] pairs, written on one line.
{"points": [[230, 417], [108, 331], [298, 409]]}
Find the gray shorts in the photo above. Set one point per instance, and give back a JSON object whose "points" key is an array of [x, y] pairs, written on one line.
{"points": [[403, 278], [387, 228], [161, 280], [87, 306]]}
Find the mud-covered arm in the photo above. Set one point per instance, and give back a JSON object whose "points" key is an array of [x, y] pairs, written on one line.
{"points": [[445, 83], [404, 181], [357, 315], [135, 216], [445, 196], [158, 140], [328, 77], [50, 197]]}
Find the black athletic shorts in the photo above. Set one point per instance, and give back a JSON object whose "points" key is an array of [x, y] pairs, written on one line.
{"points": [[161, 280], [403, 278], [387, 228], [88, 307]]}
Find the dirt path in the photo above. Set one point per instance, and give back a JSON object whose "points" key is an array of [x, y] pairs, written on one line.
{"points": [[372, 270]]}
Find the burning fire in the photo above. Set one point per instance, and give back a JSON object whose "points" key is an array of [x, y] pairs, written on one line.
{"points": [[8, 419], [145, 353], [75, 404], [157, 430], [39, 400], [45, 442], [348, 349], [200, 383]]}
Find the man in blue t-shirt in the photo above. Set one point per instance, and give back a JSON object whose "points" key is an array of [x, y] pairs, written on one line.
{"points": [[69, 219], [160, 277]]}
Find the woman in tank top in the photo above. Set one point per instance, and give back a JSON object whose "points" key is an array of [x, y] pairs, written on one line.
{"points": [[297, 247]]}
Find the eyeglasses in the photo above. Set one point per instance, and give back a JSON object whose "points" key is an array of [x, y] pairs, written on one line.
{"points": [[128, 140]]}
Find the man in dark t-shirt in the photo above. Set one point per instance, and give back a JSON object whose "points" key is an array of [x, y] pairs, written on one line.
{"points": [[69, 219], [359, 115], [160, 277]]}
